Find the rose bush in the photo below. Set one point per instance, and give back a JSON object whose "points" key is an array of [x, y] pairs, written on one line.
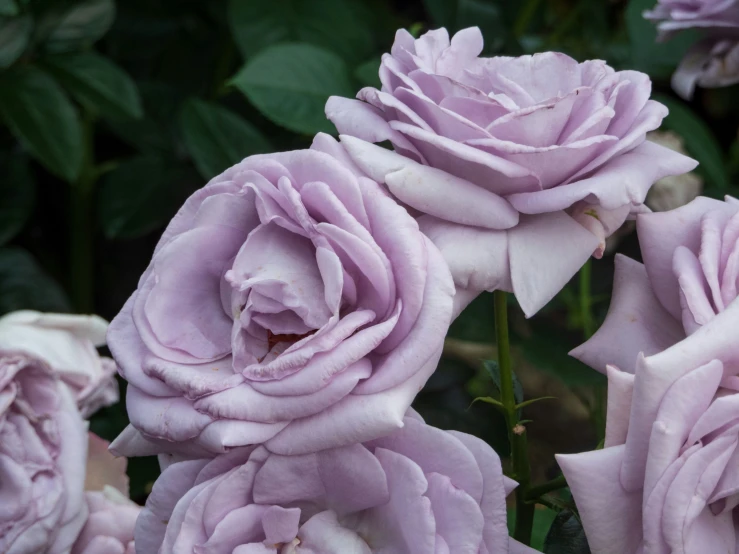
{"points": [[531, 160], [690, 274], [419, 490], [66, 344], [112, 515], [713, 61], [43, 446], [668, 477], [291, 301]]}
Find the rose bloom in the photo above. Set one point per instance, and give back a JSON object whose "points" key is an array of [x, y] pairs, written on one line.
{"points": [[43, 446], [290, 302], [419, 490], [713, 61], [532, 161], [112, 515], [66, 344], [668, 477]]}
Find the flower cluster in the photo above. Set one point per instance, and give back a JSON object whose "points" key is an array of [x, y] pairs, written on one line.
{"points": [[298, 302]]}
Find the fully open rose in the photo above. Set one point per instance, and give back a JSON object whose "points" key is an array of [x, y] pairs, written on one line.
{"points": [[290, 302], [516, 162], [419, 490]]}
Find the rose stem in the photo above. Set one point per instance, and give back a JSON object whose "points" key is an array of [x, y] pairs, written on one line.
{"points": [[599, 409], [516, 435]]}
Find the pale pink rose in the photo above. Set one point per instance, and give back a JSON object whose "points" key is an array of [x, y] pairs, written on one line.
{"points": [[43, 446], [67, 344], [667, 480], [515, 162], [419, 490], [291, 302]]}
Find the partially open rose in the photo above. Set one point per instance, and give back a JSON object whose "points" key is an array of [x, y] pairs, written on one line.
{"points": [[668, 477]]}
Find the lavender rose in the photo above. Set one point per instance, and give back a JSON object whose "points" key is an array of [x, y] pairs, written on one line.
{"points": [[531, 160], [668, 477], [43, 446], [112, 515], [66, 344], [419, 490], [291, 301], [690, 274], [713, 61]]}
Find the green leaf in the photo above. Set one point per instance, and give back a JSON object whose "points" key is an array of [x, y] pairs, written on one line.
{"points": [[658, 59], [25, 286], [493, 369], [41, 116], [290, 83], [490, 400], [17, 195], [566, 535], [337, 25], [699, 140], [522, 405], [368, 73], [67, 26], [15, 33], [97, 83], [8, 8], [217, 138], [138, 197], [156, 132]]}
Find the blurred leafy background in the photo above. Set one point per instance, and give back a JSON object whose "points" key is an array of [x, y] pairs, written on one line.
{"points": [[113, 113]]}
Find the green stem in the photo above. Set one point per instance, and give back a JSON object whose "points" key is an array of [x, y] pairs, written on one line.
{"points": [[516, 433], [534, 493], [81, 225], [588, 327], [585, 300]]}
